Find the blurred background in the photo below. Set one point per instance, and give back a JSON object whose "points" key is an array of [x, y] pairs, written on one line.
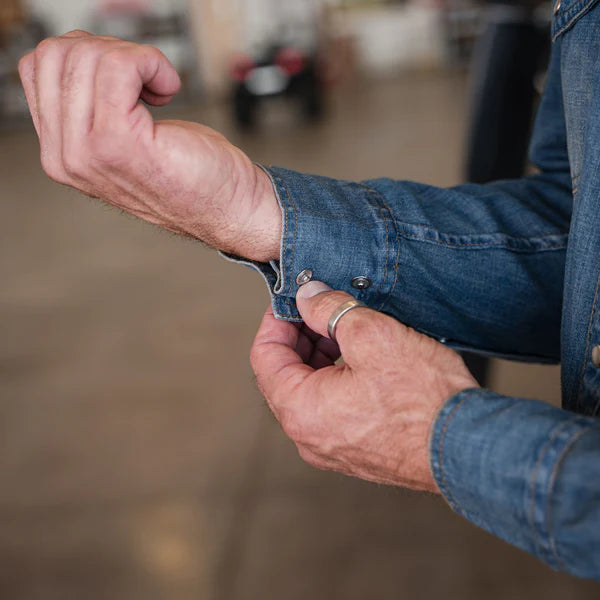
{"points": [[137, 459]]}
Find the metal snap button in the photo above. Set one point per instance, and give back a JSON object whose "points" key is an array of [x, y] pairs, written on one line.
{"points": [[596, 356], [557, 6], [304, 276], [361, 283]]}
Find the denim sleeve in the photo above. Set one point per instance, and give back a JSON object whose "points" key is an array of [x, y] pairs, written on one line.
{"points": [[524, 471], [480, 266]]}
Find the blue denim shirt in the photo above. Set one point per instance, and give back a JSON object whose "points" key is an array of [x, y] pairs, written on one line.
{"points": [[511, 268]]}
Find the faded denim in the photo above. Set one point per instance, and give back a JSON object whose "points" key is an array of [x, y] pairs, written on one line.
{"points": [[510, 268]]}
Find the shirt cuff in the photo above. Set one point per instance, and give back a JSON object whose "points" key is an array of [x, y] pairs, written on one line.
{"points": [[496, 459], [339, 231]]}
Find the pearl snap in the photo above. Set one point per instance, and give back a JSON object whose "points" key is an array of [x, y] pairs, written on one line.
{"points": [[304, 276], [361, 283], [557, 6], [596, 356]]}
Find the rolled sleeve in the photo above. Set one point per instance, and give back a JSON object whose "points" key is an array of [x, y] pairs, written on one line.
{"points": [[336, 229], [517, 468]]}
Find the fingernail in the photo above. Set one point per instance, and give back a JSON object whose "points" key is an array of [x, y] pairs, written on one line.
{"points": [[312, 288]]}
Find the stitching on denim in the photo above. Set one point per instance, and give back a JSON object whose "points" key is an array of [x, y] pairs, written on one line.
{"points": [[574, 190], [441, 452], [284, 186], [570, 443], [387, 241], [533, 480], [570, 8], [498, 244], [576, 177], [380, 198], [380, 289], [587, 346], [539, 236], [575, 17]]}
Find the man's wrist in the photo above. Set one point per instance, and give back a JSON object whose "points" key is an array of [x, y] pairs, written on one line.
{"points": [[263, 242]]}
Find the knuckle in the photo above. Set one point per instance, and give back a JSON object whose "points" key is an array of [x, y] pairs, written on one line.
{"points": [[306, 455], [52, 168], [361, 327], [104, 150], [77, 33], [327, 303], [25, 64], [73, 164], [47, 48], [291, 426], [369, 330], [117, 57], [80, 49]]}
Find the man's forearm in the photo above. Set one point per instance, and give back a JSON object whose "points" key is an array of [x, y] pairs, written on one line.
{"points": [[524, 471]]}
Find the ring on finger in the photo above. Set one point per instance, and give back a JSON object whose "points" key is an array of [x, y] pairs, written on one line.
{"points": [[338, 313]]}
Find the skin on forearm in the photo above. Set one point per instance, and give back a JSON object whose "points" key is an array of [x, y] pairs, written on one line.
{"points": [[264, 244]]}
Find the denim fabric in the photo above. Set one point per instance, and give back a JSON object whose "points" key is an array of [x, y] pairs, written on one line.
{"points": [[509, 268]]}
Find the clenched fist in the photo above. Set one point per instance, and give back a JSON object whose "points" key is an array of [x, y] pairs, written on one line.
{"points": [[96, 135], [371, 416]]}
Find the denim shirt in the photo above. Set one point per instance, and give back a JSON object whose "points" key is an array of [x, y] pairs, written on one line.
{"points": [[510, 268]]}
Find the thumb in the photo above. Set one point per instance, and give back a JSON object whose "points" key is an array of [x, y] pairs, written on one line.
{"points": [[317, 302]]}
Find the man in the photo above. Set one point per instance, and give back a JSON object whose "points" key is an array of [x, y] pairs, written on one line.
{"points": [[478, 266]]}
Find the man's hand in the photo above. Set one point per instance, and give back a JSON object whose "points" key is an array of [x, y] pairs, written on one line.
{"points": [[84, 94], [371, 416]]}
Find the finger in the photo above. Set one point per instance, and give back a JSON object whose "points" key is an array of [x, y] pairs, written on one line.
{"points": [[304, 346], [278, 367], [357, 332], [49, 66], [325, 353], [78, 99], [127, 73], [77, 33], [27, 75], [315, 350]]}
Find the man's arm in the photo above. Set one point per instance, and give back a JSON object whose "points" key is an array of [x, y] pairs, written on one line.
{"points": [[473, 264], [481, 266], [524, 471]]}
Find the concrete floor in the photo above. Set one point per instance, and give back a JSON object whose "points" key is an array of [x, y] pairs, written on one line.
{"points": [[138, 461]]}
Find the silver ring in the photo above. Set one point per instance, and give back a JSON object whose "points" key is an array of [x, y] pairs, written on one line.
{"points": [[338, 313]]}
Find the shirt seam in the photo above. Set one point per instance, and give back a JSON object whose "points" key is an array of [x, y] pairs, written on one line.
{"points": [[382, 204], [505, 244], [445, 488], [571, 20], [532, 484], [587, 346], [575, 436], [289, 276], [380, 287]]}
